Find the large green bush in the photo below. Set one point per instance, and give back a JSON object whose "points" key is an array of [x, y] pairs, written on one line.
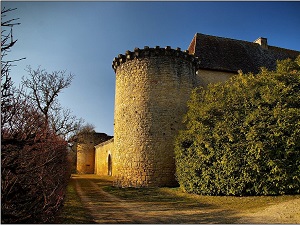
{"points": [[243, 136]]}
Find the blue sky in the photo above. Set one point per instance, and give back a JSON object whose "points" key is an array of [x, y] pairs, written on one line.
{"points": [[84, 37]]}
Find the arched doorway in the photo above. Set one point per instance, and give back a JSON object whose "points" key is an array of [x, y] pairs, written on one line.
{"points": [[109, 165]]}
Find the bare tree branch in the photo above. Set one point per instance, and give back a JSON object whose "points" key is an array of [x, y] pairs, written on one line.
{"points": [[44, 89]]}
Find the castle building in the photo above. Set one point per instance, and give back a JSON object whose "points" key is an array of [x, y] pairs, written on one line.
{"points": [[153, 86], [85, 150]]}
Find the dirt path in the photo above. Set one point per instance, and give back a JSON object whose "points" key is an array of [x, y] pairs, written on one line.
{"points": [[286, 212], [107, 208]]}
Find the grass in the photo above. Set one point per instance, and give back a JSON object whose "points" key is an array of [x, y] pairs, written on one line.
{"points": [[144, 194], [73, 211], [236, 204], [248, 203]]}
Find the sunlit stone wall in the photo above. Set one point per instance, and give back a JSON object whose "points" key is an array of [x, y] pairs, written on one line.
{"points": [[152, 89]]}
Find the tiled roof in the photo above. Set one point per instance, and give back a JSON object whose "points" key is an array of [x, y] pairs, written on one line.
{"points": [[224, 54]]}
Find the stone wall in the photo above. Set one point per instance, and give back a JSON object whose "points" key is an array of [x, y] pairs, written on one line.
{"points": [[152, 89], [86, 151], [205, 77], [85, 158], [104, 158]]}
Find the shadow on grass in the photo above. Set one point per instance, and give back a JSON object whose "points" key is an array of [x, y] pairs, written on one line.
{"points": [[163, 205], [73, 212]]}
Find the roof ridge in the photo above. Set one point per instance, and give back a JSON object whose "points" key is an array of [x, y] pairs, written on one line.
{"points": [[286, 49], [208, 35], [253, 42]]}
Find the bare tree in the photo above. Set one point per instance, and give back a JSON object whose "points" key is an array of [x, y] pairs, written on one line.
{"points": [[63, 122], [86, 128], [7, 42], [7, 38], [43, 89], [83, 132]]}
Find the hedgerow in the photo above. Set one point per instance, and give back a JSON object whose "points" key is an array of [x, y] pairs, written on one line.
{"points": [[242, 137]]}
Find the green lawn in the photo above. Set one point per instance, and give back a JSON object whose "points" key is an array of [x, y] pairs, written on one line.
{"points": [[73, 211], [237, 204]]}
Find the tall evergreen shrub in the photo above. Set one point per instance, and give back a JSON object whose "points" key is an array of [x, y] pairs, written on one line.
{"points": [[243, 136]]}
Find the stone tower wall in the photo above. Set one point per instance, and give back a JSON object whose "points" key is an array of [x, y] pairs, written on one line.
{"points": [[86, 151], [152, 89], [85, 158]]}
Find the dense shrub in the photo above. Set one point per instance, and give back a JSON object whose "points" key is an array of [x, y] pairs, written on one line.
{"points": [[34, 168], [33, 180], [243, 136]]}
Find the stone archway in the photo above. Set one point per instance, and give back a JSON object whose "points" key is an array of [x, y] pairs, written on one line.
{"points": [[109, 163]]}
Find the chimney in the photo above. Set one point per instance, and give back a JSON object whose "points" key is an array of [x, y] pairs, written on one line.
{"points": [[263, 42]]}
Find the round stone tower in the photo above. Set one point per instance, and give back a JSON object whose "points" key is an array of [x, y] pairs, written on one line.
{"points": [[85, 148], [152, 89]]}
